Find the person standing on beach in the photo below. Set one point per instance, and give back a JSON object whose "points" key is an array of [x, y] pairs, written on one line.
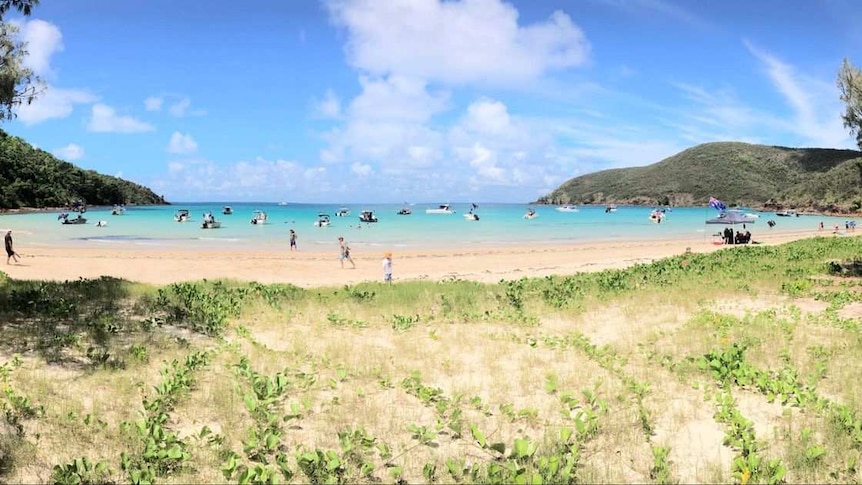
{"points": [[292, 239], [387, 267], [10, 252], [345, 252]]}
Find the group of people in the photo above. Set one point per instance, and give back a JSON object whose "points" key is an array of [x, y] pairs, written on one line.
{"points": [[736, 238], [344, 255]]}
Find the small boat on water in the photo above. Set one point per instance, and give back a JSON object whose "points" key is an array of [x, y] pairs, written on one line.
{"points": [[787, 213], [227, 210], [182, 215], [404, 211], [657, 215], [568, 208], [441, 209], [322, 220], [342, 212], [210, 222], [531, 214], [258, 218], [118, 210], [610, 208], [64, 219], [367, 216], [282, 203]]}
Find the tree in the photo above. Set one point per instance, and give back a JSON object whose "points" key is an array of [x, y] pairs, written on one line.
{"points": [[18, 84], [850, 84]]}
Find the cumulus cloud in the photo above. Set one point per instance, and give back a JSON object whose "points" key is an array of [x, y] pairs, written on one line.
{"points": [[182, 144], [361, 169], [153, 103], [418, 39], [54, 103], [70, 152], [329, 106], [182, 108], [104, 119], [43, 41]]}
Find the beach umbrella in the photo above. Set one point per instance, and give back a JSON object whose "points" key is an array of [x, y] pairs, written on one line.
{"points": [[731, 218]]}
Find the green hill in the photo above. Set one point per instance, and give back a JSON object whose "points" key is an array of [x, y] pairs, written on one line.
{"points": [[30, 177], [770, 177]]}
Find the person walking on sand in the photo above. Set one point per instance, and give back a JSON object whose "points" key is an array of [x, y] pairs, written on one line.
{"points": [[345, 252], [387, 267], [292, 239], [10, 252]]}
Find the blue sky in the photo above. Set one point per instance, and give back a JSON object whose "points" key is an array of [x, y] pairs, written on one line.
{"points": [[422, 100]]}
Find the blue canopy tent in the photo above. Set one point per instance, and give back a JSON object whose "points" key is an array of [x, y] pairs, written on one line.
{"points": [[729, 218]]}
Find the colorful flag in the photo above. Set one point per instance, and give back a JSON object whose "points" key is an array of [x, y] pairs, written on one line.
{"points": [[717, 204]]}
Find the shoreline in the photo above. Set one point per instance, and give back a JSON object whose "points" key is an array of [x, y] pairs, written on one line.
{"points": [[320, 268]]}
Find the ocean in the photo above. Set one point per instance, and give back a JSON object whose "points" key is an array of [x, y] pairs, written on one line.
{"points": [[499, 224]]}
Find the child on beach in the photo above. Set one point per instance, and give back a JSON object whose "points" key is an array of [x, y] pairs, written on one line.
{"points": [[387, 267], [345, 252], [292, 239]]}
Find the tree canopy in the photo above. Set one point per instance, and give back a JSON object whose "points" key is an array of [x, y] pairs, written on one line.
{"points": [[18, 84], [850, 84]]}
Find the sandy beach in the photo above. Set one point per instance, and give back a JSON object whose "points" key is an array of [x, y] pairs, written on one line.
{"points": [[314, 269]]}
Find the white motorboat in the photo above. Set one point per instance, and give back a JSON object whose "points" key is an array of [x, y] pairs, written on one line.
{"points": [[442, 209], [568, 208], [531, 214], [259, 218], [118, 210], [610, 208], [367, 216], [211, 224], [228, 210], [657, 215], [182, 215], [342, 212], [787, 213], [322, 220]]}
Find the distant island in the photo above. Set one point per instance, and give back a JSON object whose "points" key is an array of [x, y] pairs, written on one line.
{"points": [[33, 178], [759, 176]]}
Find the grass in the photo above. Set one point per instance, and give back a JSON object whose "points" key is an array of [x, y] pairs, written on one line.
{"points": [[738, 365]]}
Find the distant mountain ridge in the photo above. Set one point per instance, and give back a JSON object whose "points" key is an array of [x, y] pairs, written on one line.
{"points": [[759, 176], [30, 177]]}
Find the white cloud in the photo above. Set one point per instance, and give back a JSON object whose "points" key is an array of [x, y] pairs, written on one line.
{"points": [[814, 103], [329, 106], [182, 144], [43, 41], [153, 103], [419, 38], [70, 152], [361, 169], [182, 108], [104, 119], [54, 103]]}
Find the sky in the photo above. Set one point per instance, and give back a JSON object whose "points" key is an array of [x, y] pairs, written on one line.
{"points": [[339, 101]]}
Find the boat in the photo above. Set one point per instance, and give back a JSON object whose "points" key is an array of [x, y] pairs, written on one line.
{"points": [[610, 208], [342, 212], [568, 208], [322, 220], [258, 218], [442, 209], [404, 211], [211, 224], [787, 213], [228, 210], [64, 217], [367, 216], [282, 203], [471, 216], [182, 215], [118, 210], [532, 214], [657, 215]]}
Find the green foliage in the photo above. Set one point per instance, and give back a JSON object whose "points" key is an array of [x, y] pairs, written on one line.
{"points": [[737, 173], [81, 472], [850, 85], [30, 177]]}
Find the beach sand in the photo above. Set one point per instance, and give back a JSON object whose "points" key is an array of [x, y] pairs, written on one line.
{"points": [[316, 269]]}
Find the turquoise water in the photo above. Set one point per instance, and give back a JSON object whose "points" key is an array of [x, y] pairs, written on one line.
{"points": [[499, 224]]}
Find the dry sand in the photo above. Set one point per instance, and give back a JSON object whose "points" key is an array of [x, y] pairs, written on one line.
{"points": [[315, 269]]}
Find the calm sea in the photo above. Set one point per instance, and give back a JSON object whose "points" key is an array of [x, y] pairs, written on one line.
{"points": [[498, 224]]}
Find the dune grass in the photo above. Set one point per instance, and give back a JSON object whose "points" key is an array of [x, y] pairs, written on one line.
{"points": [[738, 365]]}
